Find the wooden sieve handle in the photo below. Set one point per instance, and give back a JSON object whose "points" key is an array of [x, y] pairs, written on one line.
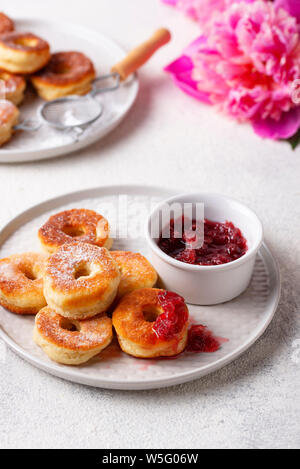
{"points": [[141, 54]]}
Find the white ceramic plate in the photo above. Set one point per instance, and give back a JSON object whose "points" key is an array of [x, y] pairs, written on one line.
{"points": [[48, 142], [242, 321]]}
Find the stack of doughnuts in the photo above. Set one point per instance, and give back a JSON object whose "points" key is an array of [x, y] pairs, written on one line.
{"points": [[27, 57], [80, 283], [79, 291]]}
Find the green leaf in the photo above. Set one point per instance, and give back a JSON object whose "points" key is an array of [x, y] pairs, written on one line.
{"points": [[294, 141]]}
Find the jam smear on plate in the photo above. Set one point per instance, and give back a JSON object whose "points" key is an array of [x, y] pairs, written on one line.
{"points": [[223, 243], [201, 339]]}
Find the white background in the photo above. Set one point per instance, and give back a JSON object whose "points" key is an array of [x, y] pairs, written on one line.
{"points": [[170, 140]]}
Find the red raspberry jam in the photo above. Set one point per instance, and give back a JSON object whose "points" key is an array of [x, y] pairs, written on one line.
{"points": [[200, 339], [175, 315], [223, 243]]}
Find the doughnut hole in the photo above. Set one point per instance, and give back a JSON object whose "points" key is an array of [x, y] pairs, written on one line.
{"points": [[151, 313], [82, 270], [26, 42], [30, 271], [74, 231], [68, 325], [62, 69], [29, 274]]}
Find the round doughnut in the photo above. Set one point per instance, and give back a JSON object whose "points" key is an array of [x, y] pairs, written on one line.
{"points": [[23, 53], [9, 116], [21, 283], [136, 271], [76, 224], [14, 87], [81, 280], [68, 341], [6, 24], [67, 73], [151, 323]]}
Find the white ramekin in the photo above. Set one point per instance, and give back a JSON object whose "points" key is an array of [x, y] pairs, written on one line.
{"points": [[208, 285]]}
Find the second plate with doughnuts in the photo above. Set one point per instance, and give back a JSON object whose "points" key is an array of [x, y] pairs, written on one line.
{"points": [[48, 142]]}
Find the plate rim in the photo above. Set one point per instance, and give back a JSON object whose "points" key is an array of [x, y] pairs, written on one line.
{"points": [[69, 374], [31, 155]]}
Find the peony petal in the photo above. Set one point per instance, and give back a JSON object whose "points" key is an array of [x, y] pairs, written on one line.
{"points": [[286, 127], [193, 47], [181, 71], [292, 6]]}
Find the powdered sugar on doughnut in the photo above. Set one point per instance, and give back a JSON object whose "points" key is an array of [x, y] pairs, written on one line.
{"points": [[91, 228], [62, 266], [91, 333], [7, 111]]}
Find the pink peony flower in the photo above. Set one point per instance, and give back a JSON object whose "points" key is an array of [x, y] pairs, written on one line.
{"points": [[246, 65]]}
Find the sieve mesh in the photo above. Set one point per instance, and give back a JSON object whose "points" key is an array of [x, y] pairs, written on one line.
{"points": [[70, 112]]}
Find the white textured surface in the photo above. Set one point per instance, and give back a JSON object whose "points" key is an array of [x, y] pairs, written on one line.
{"points": [[167, 139]]}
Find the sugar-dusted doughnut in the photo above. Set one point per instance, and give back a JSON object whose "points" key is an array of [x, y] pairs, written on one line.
{"points": [[21, 283], [76, 224], [14, 87], [151, 323], [6, 24], [9, 116], [67, 73], [81, 280], [136, 271], [23, 53], [68, 341]]}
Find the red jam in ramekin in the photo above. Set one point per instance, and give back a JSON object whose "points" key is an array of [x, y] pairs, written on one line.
{"points": [[223, 243]]}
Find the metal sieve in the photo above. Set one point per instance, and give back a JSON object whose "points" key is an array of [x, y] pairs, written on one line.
{"points": [[76, 113]]}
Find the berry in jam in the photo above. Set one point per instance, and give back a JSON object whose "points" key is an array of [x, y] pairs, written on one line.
{"points": [[175, 315], [223, 243]]}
